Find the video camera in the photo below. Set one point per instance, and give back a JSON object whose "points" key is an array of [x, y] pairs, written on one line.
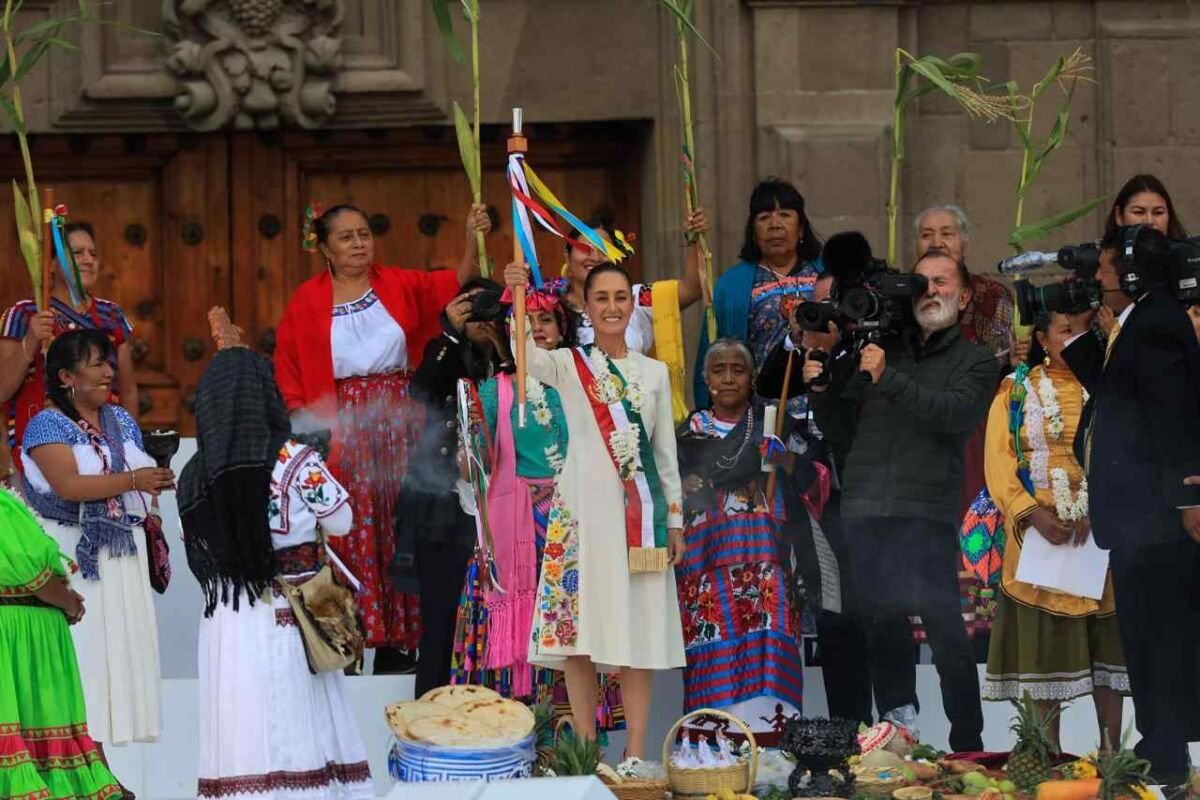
{"points": [[870, 300], [1082, 291]]}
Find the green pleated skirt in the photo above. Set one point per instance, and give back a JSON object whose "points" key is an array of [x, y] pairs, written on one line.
{"points": [[1051, 657], [45, 749]]}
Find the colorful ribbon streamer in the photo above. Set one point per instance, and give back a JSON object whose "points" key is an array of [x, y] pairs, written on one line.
{"points": [[475, 441], [771, 447], [524, 184], [57, 219]]}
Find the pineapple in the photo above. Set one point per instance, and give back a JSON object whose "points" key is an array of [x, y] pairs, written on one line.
{"points": [[575, 756], [1029, 763], [1122, 773], [543, 729]]}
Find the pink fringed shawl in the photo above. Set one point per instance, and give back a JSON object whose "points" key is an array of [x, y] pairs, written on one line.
{"points": [[510, 613]]}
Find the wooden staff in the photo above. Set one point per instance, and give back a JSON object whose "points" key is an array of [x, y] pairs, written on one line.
{"points": [[47, 247], [518, 144], [779, 417]]}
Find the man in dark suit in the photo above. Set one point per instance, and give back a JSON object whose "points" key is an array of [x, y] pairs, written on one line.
{"points": [[1142, 441]]}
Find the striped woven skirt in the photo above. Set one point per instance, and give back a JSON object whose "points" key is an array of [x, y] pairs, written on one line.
{"points": [[471, 631], [740, 630]]}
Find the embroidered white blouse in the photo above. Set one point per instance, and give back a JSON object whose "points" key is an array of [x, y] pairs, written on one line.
{"points": [[366, 340], [304, 494]]}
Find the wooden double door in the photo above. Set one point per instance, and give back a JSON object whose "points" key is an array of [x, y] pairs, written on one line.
{"points": [[186, 222]]}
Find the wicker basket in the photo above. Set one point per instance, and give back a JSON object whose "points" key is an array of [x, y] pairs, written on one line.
{"points": [[877, 781], [698, 783], [637, 789]]}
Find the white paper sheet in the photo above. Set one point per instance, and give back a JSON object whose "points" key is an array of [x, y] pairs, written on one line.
{"points": [[1066, 568]]}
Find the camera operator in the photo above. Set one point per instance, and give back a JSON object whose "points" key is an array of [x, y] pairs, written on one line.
{"points": [[841, 642], [434, 533], [1142, 442], [916, 399]]}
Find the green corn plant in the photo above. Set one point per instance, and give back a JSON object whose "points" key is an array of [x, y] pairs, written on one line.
{"points": [[682, 10], [1066, 73], [958, 77], [23, 49], [466, 131]]}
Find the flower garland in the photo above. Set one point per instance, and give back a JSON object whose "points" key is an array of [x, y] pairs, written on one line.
{"points": [[1069, 507], [1051, 411], [535, 392], [626, 450], [625, 445], [609, 389]]}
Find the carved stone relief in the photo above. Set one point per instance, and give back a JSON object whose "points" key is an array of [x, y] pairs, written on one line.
{"points": [[254, 64]]}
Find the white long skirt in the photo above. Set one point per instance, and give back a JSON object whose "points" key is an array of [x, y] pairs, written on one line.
{"points": [[270, 729], [117, 644]]}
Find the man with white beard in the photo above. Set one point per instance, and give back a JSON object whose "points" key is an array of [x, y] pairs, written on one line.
{"points": [[919, 396]]}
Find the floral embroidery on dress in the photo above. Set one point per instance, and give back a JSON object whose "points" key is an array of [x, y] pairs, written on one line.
{"points": [[557, 619], [312, 488], [354, 306], [754, 597], [701, 612]]}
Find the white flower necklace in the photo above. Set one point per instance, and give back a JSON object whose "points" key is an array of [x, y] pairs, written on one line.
{"points": [[625, 445], [609, 390], [1069, 506], [535, 392], [1051, 411]]}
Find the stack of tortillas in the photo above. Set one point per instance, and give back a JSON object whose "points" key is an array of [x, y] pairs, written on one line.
{"points": [[461, 716]]}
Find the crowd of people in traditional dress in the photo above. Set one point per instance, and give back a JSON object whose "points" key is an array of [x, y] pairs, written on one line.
{"points": [[626, 533]]}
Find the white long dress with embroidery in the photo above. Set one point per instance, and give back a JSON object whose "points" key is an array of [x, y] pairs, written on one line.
{"points": [[270, 729], [588, 601], [117, 640]]}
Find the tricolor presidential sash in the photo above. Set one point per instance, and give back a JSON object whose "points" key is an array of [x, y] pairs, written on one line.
{"points": [[645, 506]]}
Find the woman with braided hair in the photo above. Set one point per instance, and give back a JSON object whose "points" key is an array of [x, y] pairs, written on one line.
{"points": [[87, 474]]}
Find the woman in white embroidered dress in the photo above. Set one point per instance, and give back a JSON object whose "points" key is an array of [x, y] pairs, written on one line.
{"points": [[269, 728], [88, 476], [594, 612]]}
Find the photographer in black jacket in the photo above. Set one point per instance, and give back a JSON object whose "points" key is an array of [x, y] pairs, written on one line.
{"points": [[435, 536], [917, 399], [1142, 442]]}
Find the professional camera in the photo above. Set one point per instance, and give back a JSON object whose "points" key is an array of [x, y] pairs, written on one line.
{"points": [[487, 307], [1185, 270], [869, 301], [1071, 296]]}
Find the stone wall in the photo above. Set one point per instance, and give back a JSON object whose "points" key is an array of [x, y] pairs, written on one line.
{"points": [[803, 89], [823, 110]]}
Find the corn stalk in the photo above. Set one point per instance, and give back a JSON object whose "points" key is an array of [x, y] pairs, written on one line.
{"points": [[1066, 73], [22, 51], [959, 78], [683, 90], [466, 131]]}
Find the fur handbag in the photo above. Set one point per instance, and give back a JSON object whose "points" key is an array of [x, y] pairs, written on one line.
{"points": [[326, 615]]}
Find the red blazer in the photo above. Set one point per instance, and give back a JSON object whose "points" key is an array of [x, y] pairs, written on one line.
{"points": [[304, 352]]}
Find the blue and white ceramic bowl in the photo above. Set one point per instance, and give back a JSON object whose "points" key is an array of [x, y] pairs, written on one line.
{"points": [[417, 762]]}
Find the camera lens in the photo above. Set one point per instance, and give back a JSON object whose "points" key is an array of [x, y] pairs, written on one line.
{"points": [[860, 303], [815, 316]]}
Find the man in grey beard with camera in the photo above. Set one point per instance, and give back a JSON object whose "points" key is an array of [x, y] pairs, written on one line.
{"points": [[919, 396]]}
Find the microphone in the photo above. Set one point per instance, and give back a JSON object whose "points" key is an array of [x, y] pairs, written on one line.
{"points": [[1023, 262]]}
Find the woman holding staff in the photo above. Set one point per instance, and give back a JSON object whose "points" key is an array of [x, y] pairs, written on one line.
{"points": [[24, 330], [606, 596], [347, 346]]}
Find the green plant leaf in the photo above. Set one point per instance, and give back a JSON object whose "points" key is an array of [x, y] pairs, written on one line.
{"points": [[441, 12], [27, 236], [1052, 75], [466, 146], [1034, 230], [682, 9]]}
